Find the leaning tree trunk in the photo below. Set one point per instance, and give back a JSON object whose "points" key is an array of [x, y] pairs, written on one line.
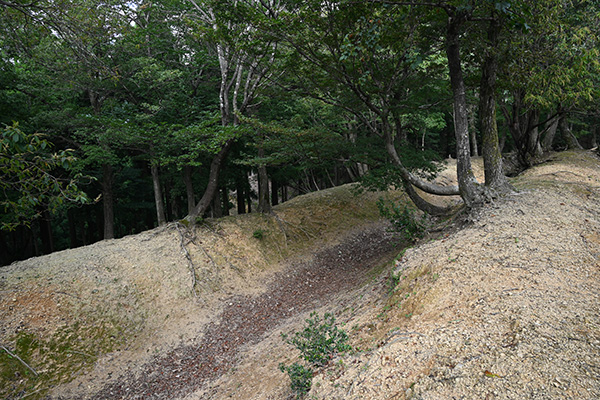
{"points": [[213, 182], [470, 190], [409, 180], [534, 147], [407, 176], [158, 196], [492, 156]]}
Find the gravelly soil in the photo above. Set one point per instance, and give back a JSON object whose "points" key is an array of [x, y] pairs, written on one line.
{"points": [[504, 305], [246, 319], [505, 308]]}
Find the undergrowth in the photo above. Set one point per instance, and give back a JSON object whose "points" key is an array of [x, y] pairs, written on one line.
{"points": [[404, 219], [318, 342]]}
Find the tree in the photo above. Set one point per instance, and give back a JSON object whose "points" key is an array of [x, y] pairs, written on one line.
{"points": [[363, 58], [549, 68], [30, 177], [244, 66]]}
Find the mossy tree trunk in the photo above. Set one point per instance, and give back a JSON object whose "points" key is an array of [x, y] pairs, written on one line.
{"points": [[492, 156]]}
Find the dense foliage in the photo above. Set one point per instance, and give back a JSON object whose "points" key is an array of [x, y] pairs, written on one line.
{"points": [[167, 109]]}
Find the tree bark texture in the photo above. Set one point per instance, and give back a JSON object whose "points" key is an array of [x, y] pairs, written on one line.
{"points": [[468, 186], [274, 192], [240, 195], [225, 200], [158, 196], [472, 111], [551, 128], [213, 182], [492, 156], [534, 147]]}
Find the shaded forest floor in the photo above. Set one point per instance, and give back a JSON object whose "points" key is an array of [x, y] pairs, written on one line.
{"points": [[500, 304]]}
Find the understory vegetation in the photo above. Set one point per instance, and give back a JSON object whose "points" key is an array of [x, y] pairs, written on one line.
{"points": [[318, 343]]}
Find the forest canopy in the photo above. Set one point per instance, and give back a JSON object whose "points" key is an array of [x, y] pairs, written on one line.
{"points": [[119, 116]]}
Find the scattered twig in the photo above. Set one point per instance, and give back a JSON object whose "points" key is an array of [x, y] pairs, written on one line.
{"points": [[32, 393], [10, 353]]}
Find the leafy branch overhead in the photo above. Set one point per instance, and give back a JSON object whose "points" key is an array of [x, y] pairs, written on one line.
{"points": [[32, 177]]}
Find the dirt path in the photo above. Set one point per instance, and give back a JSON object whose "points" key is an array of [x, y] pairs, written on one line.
{"points": [[245, 320], [503, 305]]}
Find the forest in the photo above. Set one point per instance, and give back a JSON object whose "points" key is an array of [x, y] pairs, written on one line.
{"points": [[120, 116]]}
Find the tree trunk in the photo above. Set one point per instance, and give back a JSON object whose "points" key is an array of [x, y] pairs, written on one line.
{"points": [[189, 187], [264, 204], [213, 182], [534, 148], [158, 196], [248, 192], [284, 193], [274, 192], [472, 111], [594, 139], [551, 127], [470, 190], [216, 209], [108, 201], [492, 156], [568, 137], [239, 192], [407, 176], [225, 199], [422, 204]]}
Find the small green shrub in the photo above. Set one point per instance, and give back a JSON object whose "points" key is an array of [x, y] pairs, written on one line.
{"points": [[404, 219], [259, 234], [301, 378], [317, 342]]}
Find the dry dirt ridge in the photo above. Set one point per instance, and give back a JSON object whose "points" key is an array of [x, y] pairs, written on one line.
{"points": [[163, 313], [503, 304]]}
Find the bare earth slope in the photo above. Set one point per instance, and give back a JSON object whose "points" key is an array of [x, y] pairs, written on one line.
{"points": [[141, 316], [503, 304], [505, 308]]}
